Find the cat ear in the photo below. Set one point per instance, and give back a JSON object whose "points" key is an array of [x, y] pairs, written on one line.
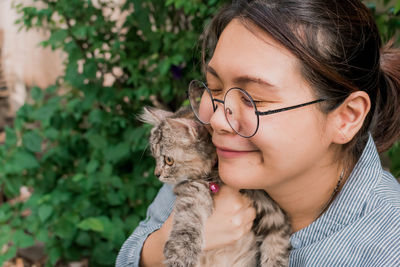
{"points": [[191, 126], [154, 116]]}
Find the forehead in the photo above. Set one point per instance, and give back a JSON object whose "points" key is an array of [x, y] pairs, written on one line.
{"points": [[245, 50]]}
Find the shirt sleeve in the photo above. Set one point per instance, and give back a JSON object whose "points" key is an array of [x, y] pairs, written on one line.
{"points": [[157, 214]]}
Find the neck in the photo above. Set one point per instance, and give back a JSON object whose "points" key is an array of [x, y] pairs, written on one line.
{"points": [[305, 197]]}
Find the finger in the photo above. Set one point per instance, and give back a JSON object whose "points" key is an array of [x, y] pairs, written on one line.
{"points": [[250, 213], [249, 226]]}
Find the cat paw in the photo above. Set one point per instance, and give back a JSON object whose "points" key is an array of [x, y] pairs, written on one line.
{"points": [[177, 263], [173, 264], [275, 263], [175, 259]]}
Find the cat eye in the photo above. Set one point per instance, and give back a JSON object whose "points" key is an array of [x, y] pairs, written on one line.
{"points": [[241, 111], [168, 160]]}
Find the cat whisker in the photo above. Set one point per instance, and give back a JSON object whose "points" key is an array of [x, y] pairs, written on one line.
{"points": [[144, 150]]}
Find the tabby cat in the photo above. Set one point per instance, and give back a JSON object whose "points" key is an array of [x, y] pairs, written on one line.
{"points": [[185, 157]]}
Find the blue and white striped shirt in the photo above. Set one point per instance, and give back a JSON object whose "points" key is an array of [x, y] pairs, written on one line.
{"points": [[360, 228]]}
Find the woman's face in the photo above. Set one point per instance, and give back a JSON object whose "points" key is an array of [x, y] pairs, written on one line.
{"points": [[287, 145]]}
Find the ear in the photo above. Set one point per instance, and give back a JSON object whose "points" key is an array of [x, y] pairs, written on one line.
{"points": [[192, 127], [154, 116], [349, 117]]}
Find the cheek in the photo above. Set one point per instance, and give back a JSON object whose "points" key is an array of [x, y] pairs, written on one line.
{"points": [[291, 139], [288, 130]]}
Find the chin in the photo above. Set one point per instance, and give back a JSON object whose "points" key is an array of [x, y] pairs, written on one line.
{"points": [[234, 178]]}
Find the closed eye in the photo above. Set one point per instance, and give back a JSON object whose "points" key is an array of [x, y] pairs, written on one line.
{"points": [[246, 101], [259, 102], [215, 92]]}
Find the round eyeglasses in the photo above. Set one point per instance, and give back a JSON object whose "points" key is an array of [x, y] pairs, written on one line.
{"points": [[239, 107]]}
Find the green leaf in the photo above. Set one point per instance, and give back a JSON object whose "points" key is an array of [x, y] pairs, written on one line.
{"points": [[397, 8], [42, 235], [65, 228], [22, 239], [72, 76], [45, 211], [92, 223], [102, 254], [51, 89], [96, 116], [90, 69], [97, 141], [78, 177], [44, 113], [58, 37], [132, 222], [117, 152], [32, 141], [115, 198], [108, 227], [24, 160], [51, 133], [54, 255], [5, 213], [84, 239], [37, 93], [11, 137], [80, 32], [92, 166]]}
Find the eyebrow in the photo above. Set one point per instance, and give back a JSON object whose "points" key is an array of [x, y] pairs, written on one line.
{"points": [[244, 79]]}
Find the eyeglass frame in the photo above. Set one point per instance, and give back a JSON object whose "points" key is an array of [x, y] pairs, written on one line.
{"points": [[258, 113]]}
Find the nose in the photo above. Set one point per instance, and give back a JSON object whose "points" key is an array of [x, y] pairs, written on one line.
{"points": [[218, 120], [157, 172]]}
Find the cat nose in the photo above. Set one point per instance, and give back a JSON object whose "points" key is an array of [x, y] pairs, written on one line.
{"points": [[157, 173]]}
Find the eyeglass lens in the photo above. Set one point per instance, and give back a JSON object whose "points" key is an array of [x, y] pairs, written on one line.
{"points": [[201, 101], [239, 108]]}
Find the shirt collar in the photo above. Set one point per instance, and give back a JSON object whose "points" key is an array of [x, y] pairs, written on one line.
{"points": [[350, 203]]}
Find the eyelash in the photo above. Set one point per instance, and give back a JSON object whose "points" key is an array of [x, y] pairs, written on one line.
{"points": [[215, 91]]}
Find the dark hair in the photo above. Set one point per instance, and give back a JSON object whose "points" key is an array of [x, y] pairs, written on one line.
{"points": [[339, 49]]}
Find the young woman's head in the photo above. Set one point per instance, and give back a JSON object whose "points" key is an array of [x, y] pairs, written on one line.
{"points": [[286, 53]]}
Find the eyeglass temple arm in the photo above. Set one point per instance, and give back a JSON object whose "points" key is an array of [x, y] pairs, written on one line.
{"points": [[288, 108]]}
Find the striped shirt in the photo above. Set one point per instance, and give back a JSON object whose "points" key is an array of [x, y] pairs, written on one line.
{"points": [[360, 228]]}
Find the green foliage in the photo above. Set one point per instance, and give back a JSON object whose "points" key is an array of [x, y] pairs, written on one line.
{"points": [[79, 145], [394, 155], [387, 17]]}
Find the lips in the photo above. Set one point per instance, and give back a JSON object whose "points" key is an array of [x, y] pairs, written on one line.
{"points": [[230, 153]]}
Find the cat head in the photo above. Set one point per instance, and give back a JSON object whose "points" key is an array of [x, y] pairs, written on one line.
{"points": [[181, 146]]}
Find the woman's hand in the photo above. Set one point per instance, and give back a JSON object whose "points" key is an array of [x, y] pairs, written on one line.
{"points": [[231, 219]]}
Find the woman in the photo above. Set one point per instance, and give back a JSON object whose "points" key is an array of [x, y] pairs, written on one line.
{"points": [[335, 94]]}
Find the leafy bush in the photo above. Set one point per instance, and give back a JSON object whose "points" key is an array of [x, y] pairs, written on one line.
{"points": [[78, 144], [387, 16]]}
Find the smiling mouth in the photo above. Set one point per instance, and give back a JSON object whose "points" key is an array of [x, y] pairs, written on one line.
{"points": [[227, 153]]}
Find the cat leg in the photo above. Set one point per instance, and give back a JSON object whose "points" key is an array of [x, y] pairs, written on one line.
{"points": [[193, 206], [272, 228], [274, 249]]}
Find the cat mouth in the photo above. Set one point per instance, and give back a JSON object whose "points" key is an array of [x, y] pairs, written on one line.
{"points": [[165, 180]]}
